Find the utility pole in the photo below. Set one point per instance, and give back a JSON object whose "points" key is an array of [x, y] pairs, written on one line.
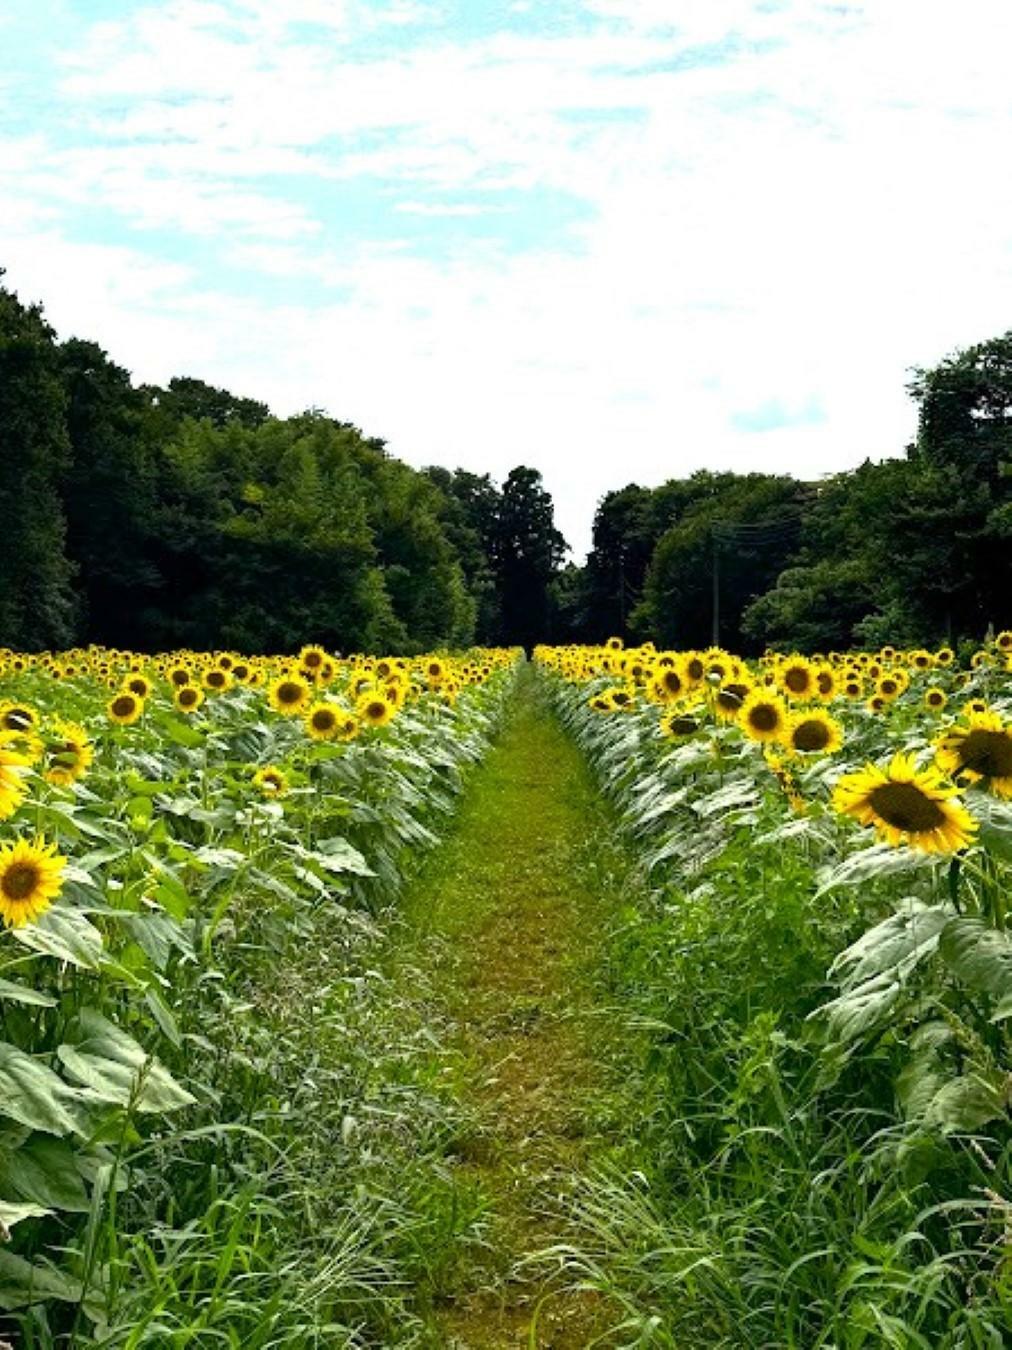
{"points": [[715, 635]]}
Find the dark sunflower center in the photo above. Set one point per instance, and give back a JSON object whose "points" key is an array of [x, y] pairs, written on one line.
{"points": [[682, 726], [825, 683], [324, 721], [696, 670], [376, 710], [216, 679], [188, 697], [796, 680], [672, 681], [289, 692], [20, 881], [811, 735], [988, 753], [764, 717], [889, 686], [123, 707], [906, 807], [180, 677]]}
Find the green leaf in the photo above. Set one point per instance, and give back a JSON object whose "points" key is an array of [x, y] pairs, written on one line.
{"points": [[337, 855], [32, 1094], [65, 933], [19, 993], [965, 1103], [862, 1009], [979, 955], [901, 940], [11, 1213], [22, 1283], [115, 1068], [44, 1170]]}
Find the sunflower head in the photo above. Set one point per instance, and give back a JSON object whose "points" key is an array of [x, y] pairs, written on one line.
{"points": [[906, 806], [374, 710], [289, 695], [189, 698], [271, 781], [763, 716], [323, 721], [935, 699], [978, 749], [797, 678], [70, 754], [814, 733], [31, 876], [125, 708]]}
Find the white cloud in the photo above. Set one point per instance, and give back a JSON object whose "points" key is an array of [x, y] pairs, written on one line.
{"points": [[797, 220]]}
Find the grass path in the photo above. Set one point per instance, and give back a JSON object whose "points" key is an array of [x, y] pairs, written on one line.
{"points": [[508, 925]]}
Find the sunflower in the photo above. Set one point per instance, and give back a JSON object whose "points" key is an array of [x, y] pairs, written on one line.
{"points": [[944, 656], [668, 684], [71, 754], [797, 678], [13, 768], [347, 727], [179, 676], [125, 709], [693, 668], [729, 698], [374, 710], [271, 781], [289, 694], [323, 721], [980, 751], [218, 679], [18, 717], [140, 685], [763, 716], [1004, 640], [906, 805], [31, 875], [189, 698], [935, 699], [621, 698], [679, 723], [814, 733]]}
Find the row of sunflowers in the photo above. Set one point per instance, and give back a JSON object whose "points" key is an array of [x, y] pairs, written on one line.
{"points": [[169, 827], [827, 844]]}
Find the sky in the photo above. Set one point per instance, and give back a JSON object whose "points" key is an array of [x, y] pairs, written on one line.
{"points": [[618, 240]]}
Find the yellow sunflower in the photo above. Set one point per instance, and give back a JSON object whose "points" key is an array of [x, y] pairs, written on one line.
{"points": [[763, 716], [125, 708], [668, 683], [979, 750], [13, 789], [680, 723], [323, 721], [729, 699], [935, 699], [31, 876], [814, 733], [70, 754], [373, 710], [289, 694], [906, 806], [189, 698], [797, 678], [271, 781], [217, 679], [18, 717], [348, 728]]}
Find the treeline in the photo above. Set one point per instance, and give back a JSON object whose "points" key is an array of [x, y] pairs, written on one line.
{"points": [[149, 517], [155, 518], [913, 550]]}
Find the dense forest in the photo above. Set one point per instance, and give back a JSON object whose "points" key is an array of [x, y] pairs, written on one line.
{"points": [[150, 517]]}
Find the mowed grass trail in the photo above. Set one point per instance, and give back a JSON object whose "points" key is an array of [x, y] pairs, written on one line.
{"points": [[505, 929]]}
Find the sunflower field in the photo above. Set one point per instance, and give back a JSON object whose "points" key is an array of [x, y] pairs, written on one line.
{"points": [[182, 840], [822, 964]]}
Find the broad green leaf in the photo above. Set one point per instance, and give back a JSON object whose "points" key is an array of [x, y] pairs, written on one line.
{"points": [[965, 1103], [111, 1063], [20, 993], [23, 1283], [862, 1009], [44, 1170], [32, 1094], [979, 955], [11, 1213], [65, 933], [904, 938], [880, 860], [337, 855]]}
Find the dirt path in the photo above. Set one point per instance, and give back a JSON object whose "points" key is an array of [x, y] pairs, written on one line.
{"points": [[515, 918]]}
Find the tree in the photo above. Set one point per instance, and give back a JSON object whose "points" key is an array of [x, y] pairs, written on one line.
{"points": [[37, 603], [527, 551]]}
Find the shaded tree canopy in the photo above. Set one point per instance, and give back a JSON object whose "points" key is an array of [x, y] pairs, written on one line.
{"points": [[155, 517]]}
